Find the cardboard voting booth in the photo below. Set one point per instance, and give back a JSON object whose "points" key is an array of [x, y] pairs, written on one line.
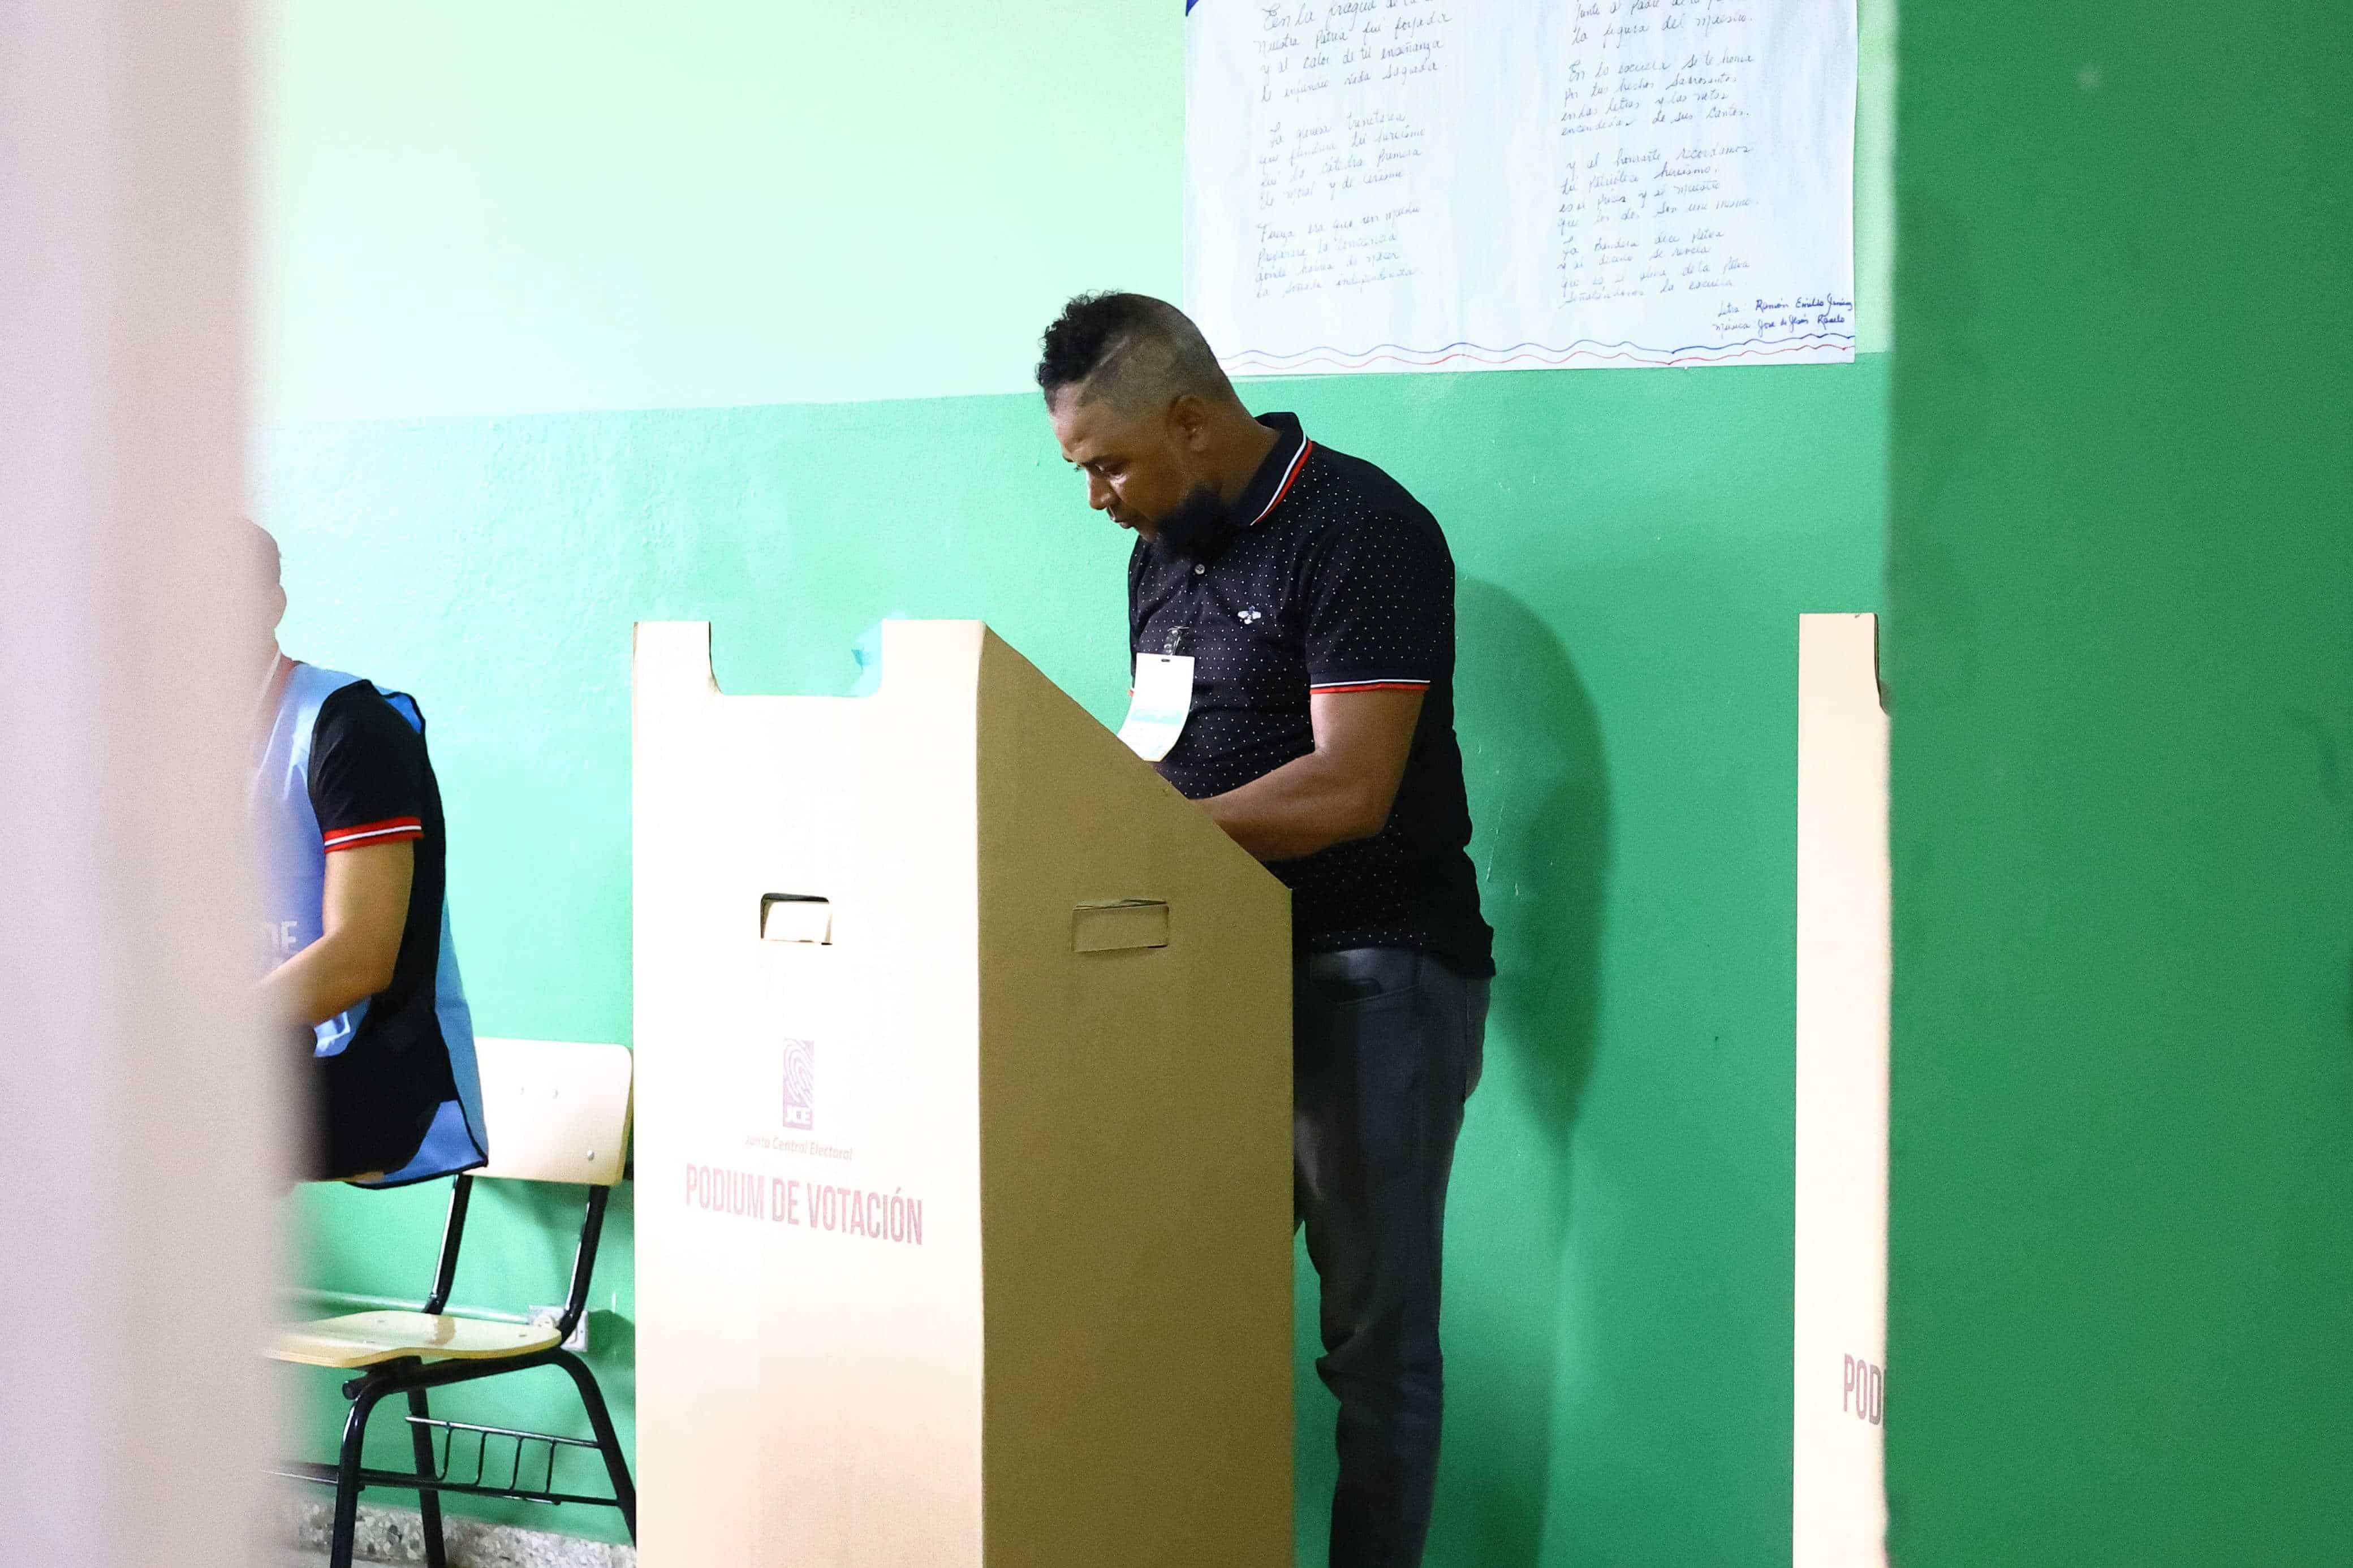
{"points": [[1838, 1493], [963, 1131]]}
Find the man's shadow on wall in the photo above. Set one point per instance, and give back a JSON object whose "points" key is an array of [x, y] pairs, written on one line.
{"points": [[1531, 754]]}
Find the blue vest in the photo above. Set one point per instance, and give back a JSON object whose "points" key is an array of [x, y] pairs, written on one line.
{"points": [[294, 884]]}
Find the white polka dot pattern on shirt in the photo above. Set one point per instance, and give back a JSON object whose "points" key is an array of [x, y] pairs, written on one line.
{"points": [[1346, 585]]}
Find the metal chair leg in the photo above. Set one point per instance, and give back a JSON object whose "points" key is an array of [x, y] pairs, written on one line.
{"points": [[347, 1473], [608, 1442], [428, 1502]]}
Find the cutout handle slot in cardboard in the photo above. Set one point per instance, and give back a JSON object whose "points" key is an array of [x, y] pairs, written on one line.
{"points": [[1115, 925], [797, 916]]}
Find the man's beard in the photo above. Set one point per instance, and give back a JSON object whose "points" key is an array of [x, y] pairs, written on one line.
{"points": [[1196, 526]]}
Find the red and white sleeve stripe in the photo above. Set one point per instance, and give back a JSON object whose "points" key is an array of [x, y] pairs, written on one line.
{"points": [[391, 830], [1328, 687]]}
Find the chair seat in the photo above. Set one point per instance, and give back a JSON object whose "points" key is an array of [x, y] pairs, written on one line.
{"points": [[365, 1339]]}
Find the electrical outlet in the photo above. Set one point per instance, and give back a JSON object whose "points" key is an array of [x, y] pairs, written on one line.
{"points": [[548, 1317]]}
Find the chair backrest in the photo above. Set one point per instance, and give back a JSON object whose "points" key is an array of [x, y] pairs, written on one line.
{"points": [[559, 1111]]}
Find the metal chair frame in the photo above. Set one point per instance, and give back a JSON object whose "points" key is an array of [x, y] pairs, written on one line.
{"points": [[412, 1376]]}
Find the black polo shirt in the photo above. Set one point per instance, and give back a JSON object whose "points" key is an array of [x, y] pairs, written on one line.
{"points": [[1328, 577], [372, 782]]}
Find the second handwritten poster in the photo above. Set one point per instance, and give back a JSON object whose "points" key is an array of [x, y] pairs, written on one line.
{"points": [[1467, 184]]}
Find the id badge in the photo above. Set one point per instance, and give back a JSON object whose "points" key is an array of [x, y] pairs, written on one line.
{"points": [[1162, 701]]}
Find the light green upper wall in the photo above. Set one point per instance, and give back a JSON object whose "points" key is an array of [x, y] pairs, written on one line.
{"points": [[534, 206], [531, 206]]}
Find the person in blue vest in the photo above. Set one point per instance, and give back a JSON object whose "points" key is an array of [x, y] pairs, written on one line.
{"points": [[362, 976]]}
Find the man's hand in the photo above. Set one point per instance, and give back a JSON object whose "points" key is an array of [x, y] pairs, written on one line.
{"points": [[1340, 791], [364, 912]]}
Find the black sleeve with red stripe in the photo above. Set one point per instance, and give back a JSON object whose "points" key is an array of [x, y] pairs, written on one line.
{"points": [[367, 772], [1380, 606]]}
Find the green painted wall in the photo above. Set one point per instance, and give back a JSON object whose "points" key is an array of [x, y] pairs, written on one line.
{"points": [[2122, 673], [1634, 551]]}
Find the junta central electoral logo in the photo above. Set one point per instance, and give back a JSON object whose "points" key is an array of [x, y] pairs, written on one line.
{"points": [[800, 1085]]}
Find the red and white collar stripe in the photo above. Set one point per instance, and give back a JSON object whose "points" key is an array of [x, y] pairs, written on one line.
{"points": [[1290, 476]]}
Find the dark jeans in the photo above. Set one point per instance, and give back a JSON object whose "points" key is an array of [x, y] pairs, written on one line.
{"points": [[1385, 1048]]}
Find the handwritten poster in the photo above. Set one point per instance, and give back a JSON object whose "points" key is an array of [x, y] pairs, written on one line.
{"points": [[1468, 184]]}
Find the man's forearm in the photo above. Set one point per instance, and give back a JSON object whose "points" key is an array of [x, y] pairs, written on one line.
{"points": [[1307, 805], [323, 980], [364, 908]]}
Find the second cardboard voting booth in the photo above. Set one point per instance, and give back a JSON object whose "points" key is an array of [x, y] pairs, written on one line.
{"points": [[963, 1131]]}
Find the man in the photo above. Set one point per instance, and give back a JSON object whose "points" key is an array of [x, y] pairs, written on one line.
{"points": [[1316, 598], [346, 818]]}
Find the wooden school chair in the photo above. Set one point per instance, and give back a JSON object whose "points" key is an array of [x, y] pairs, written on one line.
{"points": [[558, 1112]]}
